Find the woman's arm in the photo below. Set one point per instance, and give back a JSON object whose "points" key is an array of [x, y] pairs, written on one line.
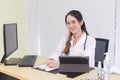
{"points": [[90, 50], [53, 59], [59, 50]]}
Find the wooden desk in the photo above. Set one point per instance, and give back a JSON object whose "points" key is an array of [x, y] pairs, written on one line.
{"points": [[27, 73]]}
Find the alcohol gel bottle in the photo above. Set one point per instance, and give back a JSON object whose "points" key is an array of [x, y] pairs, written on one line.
{"points": [[106, 67], [99, 71]]}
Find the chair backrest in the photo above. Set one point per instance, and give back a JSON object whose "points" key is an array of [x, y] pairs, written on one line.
{"points": [[101, 48]]}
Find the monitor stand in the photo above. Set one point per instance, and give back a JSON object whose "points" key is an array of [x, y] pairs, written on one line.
{"points": [[12, 61]]}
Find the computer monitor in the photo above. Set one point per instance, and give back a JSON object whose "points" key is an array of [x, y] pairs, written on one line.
{"points": [[10, 40]]}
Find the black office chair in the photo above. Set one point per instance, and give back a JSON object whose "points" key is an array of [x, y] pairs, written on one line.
{"points": [[101, 48]]}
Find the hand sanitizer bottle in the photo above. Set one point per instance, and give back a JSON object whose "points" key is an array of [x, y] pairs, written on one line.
{"points": [[106, 67], [99, 69]]}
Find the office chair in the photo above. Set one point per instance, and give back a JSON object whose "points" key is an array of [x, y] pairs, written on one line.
{"points": [[101, 48]]}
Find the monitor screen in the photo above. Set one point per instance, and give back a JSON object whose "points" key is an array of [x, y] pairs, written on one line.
{"points": [[10, 39]]}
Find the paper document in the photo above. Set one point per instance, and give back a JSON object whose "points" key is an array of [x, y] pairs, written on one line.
{"points": [[44, 67]]}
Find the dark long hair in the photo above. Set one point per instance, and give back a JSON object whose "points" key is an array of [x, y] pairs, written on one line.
{"points": [[78, 16]]}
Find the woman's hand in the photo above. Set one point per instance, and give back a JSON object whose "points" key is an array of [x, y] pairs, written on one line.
{"points": [[52, 63]]}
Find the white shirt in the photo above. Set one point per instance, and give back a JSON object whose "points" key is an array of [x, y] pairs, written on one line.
{"points": [[78, 49]]}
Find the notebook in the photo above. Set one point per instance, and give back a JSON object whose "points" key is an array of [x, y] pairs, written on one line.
{"points": [[44, 67]]}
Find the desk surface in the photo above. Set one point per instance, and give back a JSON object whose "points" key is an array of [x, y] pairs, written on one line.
{"points": [[27, 73]]}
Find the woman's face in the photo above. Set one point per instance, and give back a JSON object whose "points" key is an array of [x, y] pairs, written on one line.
{"points": [[73, 24]]}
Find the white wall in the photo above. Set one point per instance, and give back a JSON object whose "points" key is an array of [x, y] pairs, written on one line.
{"points": [[118, 34], [32, 27], [116, 66], [13, 11]]}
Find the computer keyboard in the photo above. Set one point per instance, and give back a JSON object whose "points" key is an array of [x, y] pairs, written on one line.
{"points": [[27, 61]]}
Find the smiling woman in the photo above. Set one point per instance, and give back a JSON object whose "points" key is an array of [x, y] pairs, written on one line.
{"points": [[77, 42]]}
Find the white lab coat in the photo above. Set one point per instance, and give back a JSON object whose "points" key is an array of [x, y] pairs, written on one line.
{"points": [[78, 49]]}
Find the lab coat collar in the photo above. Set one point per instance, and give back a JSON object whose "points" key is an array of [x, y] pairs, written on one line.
{"points": [[82, 40]]}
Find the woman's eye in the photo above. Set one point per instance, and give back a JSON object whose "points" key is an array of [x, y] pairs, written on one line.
{"points": [[68, 23]]}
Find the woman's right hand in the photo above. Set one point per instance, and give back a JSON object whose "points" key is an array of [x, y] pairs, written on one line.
{"points": [[52, 63]]}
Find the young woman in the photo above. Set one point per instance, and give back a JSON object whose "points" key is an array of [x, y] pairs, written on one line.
{"points": [[77, 42]]}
